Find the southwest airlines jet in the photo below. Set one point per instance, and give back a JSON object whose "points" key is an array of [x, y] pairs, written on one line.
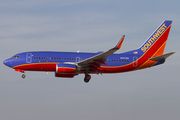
{"points": [[70, 64]]}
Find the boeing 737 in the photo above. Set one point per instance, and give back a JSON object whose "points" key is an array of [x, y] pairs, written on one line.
{"points": [[70, 64]]}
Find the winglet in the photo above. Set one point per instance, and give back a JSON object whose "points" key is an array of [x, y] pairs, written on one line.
{"points": [[118, 45]]}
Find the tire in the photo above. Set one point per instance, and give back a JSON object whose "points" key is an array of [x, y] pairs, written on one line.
{"points": [[23, 76], [87, 78]]}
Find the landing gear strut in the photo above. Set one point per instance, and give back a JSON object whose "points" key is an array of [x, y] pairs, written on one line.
{"points": [[23, 76], [87, 78]]}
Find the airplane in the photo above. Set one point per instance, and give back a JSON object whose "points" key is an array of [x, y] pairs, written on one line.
{"points": [[70, 64]]}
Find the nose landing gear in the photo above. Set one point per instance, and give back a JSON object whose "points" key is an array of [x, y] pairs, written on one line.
{"points": [[87, 78], [23, 76]]}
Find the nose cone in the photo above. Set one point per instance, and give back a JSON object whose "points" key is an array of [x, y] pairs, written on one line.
{"points": [[5, 62], [8, 62]]}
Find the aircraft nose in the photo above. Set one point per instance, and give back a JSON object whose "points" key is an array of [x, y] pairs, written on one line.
{"points": [[7, 62]]}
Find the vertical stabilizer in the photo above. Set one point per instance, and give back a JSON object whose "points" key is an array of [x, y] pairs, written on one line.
{"points": [[155, 44]]}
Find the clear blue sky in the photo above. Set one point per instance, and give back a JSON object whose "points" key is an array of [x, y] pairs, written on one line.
{"points": [[88, 26]]}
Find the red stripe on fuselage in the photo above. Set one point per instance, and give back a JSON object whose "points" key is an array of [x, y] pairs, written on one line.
{"points": [[37, 67]]}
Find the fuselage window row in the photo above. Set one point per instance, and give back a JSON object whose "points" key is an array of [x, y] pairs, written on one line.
{"points": [[117, 60], [47, 58], [78, 59]]}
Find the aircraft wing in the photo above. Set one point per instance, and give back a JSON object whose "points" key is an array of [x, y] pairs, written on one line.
{"points": [[97, 60]]}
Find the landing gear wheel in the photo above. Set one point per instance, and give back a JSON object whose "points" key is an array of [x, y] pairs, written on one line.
{"points": [[23, 76], [87, 78]]}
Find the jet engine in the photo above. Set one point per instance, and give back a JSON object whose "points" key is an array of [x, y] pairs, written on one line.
{"points": [[65, 70]]}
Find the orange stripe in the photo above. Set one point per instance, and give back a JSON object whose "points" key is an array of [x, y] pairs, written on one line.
{"points": [[157, 53]]}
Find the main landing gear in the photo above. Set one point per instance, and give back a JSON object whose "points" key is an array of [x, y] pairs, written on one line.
{"points": [[87, 78]]}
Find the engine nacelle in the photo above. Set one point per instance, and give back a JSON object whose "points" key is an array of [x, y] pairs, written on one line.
{"points": [[65, 70]]}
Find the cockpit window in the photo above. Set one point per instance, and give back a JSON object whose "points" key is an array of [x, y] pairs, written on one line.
{"points": [[15, 57]]}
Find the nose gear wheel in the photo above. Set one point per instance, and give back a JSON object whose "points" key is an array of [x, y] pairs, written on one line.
{"points": [[23, 76]]}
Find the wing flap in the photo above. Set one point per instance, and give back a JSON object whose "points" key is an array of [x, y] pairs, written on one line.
{"points": [[100, 62]]}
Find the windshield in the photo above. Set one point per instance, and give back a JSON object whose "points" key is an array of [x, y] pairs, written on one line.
{"points": [[15, 57]]}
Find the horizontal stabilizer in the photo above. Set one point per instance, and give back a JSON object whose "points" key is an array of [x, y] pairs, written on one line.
{"points": [[161, 57]]}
